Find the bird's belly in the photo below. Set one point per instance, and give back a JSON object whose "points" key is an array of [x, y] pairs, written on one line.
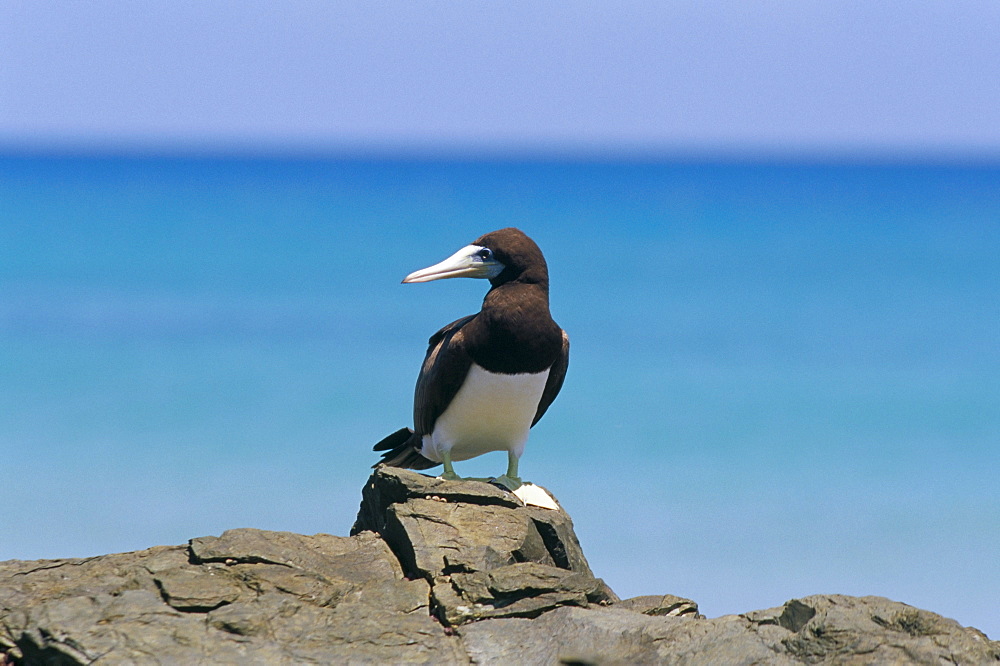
{"points": [[491, 412]]}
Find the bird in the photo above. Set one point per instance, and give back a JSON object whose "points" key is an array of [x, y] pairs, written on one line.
{"points": [[487, 378]]}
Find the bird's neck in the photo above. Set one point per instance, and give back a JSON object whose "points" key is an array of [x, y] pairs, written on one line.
{"points": [[518, 295], [515, 331]]}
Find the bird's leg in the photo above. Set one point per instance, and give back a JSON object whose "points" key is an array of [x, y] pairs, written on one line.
{"points": [[510, 479], [449, 471]]}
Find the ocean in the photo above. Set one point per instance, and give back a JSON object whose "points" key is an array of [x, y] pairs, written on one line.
{"points": [[784, 378]]}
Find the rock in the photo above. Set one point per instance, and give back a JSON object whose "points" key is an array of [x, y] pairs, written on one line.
{"points": [[814, 630], [388, 486], [440, 572], [246, 597], [565, 635], [346, 558], [438, 527], [866, 630], [485, 553], [196, 591], [516, 590], [665, 604], [435, 538]]}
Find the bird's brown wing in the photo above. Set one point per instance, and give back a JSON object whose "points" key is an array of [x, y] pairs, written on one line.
{"points": [[557, 373], [441, 376]]}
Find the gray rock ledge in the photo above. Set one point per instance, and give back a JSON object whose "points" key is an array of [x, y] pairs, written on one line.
{"points": [[434, 572]]}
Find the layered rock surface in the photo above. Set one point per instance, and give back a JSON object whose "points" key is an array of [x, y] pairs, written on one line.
{"points": [[435, 571]]}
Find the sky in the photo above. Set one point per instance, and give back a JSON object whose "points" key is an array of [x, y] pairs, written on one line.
{"points": [[885, 79]]}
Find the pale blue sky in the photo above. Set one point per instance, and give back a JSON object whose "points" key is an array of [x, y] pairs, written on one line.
{"points": [[888, 78]]}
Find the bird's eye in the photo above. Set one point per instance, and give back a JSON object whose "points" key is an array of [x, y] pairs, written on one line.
{"points": [[485, 253]]}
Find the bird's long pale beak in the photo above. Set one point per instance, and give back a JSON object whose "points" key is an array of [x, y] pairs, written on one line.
{"points": [[467, 262]]}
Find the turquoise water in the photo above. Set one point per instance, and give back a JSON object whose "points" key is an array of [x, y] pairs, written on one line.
{"points": [[785, 379]]}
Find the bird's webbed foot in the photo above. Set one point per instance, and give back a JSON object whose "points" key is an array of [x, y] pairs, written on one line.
{"points": [[509, 479], [511, 483]]}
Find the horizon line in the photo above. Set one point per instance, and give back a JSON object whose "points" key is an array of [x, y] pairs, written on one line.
{"points": [[496, 153]]}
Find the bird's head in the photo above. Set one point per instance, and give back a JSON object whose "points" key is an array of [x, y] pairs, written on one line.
{"points": [[502, 256]]}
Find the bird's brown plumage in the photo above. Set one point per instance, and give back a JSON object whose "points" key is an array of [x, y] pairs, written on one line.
{"points": [[513, 333]]}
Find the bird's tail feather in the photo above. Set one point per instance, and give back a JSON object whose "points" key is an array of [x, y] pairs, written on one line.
{"points": [[402, 450]]}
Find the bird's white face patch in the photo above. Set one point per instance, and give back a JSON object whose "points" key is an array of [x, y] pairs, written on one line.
{"points": [[491, 412]]}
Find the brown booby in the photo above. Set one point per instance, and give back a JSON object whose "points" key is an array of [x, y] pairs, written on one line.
{"points": [[489, 377]]}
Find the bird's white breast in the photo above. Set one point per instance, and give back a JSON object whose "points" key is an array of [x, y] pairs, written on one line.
{"points": [[490, 412]]}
